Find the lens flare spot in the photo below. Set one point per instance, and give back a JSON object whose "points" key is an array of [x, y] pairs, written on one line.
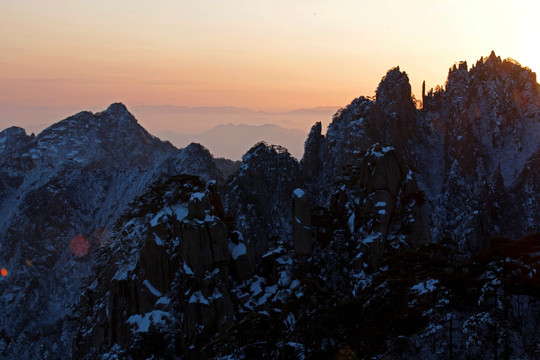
{"points": [[4, 272], [79, 245]]}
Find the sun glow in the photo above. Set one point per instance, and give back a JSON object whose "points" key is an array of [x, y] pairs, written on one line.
{"points": [[263, 55], [531, 59], [526, 37]]}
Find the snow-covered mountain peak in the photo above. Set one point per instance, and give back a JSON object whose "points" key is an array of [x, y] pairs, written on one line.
{"points": [[13, 138], [495, 74], [118, 114], [204, 166], [116, 119], [492, 115], [112, 135], [197, 149], [264, 155], [12, 131], [117, 108]]}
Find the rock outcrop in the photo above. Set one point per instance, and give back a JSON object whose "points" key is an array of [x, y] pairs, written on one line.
{"points": [[311, 163], [177, 263], [381, 206], [258, 196], [301, 224], [484, 123], [392, 119]]}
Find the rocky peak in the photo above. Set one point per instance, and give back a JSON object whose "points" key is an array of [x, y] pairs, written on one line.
{"points": [[263, 156], [14, 138], [196, 149], [311, 162], [196, 159], [346, 134], [115, 119], [348, 120], [394, 86], [393, 117], [117, 108], [457, 75], [491, 61], [117, 114], [487, 110], [315, 136], [502, 75], [259, 195], [380, 204], [111, 135], [13, 131], [262, 149]]}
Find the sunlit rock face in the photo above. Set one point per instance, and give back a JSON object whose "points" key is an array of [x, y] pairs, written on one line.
{"points": [[482, 127], [485, 128], [490, 116]]}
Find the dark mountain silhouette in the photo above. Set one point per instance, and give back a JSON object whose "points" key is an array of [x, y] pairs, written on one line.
{"points": [[231, 141], [193, 120]]}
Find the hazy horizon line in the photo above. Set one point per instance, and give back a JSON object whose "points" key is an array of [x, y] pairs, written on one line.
{"points": [[172, 106]]}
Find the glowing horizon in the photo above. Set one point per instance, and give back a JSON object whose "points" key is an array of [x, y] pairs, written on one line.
{"points": [[261, 55]]}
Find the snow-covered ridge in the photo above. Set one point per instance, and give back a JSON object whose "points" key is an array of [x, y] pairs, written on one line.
{"points": [[385, 212], [75, 177]]}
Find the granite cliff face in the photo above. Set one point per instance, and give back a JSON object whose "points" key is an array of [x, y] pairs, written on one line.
{"points": [[259, 195], [401, 233], [467, 148], [486, 128], [170, 256]]}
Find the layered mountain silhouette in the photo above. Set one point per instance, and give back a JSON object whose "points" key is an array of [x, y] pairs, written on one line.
{"points": [[231, 141], [194, 120], [402, 232]]}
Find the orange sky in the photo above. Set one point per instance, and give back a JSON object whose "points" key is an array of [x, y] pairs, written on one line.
{"points": [[263, 55]]}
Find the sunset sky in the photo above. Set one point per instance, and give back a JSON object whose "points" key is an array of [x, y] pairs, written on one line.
{"points": [[278, 55]]}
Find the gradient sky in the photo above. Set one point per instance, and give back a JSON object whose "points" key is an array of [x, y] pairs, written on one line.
{"points": [[270, 55]]}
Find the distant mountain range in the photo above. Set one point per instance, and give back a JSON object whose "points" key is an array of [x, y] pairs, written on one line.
{"points": [[232, 141], [195, 120], [227, 110], [183, 124]]}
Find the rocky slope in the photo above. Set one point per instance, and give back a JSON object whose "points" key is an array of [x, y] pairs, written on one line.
{"points": [[467, 147], [70, 183], [402, 233]]}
